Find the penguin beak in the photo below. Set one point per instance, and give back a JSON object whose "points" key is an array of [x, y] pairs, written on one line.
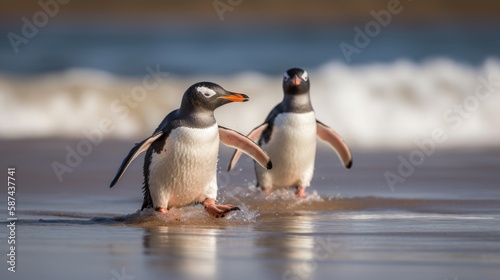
{"points": [[235, 97], [296, 80]]}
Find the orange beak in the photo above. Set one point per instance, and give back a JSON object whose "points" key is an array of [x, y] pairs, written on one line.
{"points": [[235, 97], [296, 80]]}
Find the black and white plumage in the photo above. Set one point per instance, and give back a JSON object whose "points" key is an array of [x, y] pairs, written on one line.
{"points": [[180, 165], [289, 134]]}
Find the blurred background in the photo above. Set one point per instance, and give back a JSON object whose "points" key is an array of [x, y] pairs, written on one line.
{"points": [[383, 73], [81, 81]]}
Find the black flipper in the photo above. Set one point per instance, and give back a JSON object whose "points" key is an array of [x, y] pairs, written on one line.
{"points": [[136, 150]]}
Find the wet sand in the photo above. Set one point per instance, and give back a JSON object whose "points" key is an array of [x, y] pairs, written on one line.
{"points": [[443, 222]]}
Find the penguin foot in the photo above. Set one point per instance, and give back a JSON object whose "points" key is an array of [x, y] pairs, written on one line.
{"points": [[301, 192], [218, 211], [162, 210], [265, 191]]}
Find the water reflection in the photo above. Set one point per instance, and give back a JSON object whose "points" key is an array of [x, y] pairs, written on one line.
{"points": [[289, 244], [182, 252]]}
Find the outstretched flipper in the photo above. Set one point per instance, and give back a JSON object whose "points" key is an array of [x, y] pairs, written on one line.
{"points": [[328, 135], [254, 135], [239, 141], [136, 150]]}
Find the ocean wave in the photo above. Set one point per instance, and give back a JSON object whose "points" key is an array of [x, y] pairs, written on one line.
{"points": [[372, 106]]}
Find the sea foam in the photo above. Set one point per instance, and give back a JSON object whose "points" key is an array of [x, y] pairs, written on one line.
{"points": [[371, 106]]}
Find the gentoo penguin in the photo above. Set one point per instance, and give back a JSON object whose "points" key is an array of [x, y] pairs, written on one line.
{"points": [[288, 135], [180, 166]]}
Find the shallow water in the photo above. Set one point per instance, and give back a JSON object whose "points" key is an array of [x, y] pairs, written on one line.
{"points": [[443, 222]]}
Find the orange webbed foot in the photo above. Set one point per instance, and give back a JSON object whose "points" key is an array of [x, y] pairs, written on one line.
{"points": [[301, 192], [218, 210], [162, 210]]}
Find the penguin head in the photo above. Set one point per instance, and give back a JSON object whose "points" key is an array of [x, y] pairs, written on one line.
{"points": [[296, 81], [209, 96]]}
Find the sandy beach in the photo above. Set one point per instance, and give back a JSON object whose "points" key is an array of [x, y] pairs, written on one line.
{"points": [[442, 223]]}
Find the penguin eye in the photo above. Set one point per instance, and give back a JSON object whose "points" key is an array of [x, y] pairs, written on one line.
{"points": [[304, 76], [286, 77], [206, 91]]}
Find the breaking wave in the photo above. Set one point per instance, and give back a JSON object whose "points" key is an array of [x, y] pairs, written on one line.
{"points": [[372, 106]]}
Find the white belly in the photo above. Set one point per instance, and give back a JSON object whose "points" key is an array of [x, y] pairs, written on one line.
{"points": [[292, 149], [186, 170]]}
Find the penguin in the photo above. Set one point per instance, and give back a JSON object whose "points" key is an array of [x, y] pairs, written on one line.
{"points": [[180, 165], [289, 134]]}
